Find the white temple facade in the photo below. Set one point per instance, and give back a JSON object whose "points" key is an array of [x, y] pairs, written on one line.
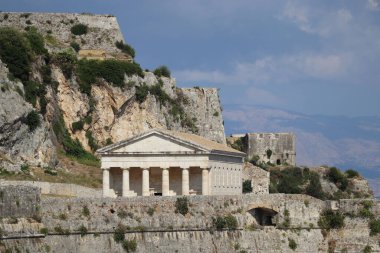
{"points": [[166, 163]]}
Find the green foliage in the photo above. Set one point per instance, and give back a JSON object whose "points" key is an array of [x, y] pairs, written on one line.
{"points": [[125, 48], [227, 222], [315, 188], [367, 249], [162, 71], [269, 153], [141, 93], [75, 46], [150, 211], [247, 186], [338, 178], [374, 226], [44, 231], [33, 120], [79, 29], [255, 159], [36, 42], [238, 144], [112, 71], [216, 114], [83, 230], [352, 173], [86, 211], [91, 141], [292, 244], [66, 62], [130, 245], [119, 235], [32, 91], [25, 168], [182, 205], [15, 52], [331, 220], [78, 125]]}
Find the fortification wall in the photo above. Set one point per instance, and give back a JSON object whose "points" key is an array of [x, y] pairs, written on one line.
{"points": [[19, 201], [282, 145], [68, 190], [103, 30]]}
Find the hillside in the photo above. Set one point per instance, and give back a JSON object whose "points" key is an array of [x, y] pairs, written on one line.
{"points": [[73, 86]]}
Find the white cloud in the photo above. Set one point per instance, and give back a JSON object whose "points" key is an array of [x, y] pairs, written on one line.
{"points": [[373, 4], [281, 69]]}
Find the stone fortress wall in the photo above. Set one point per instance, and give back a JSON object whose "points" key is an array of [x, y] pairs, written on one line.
{"points": [[153, 223], [282, 145], [103, 31]]}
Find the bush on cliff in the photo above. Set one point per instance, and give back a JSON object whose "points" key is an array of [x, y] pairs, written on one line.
{"points": [[374, 226], [129, 245], [162, 71], [125, 48], [338, 178], [15, 52], [227, 222], [33, 120]]}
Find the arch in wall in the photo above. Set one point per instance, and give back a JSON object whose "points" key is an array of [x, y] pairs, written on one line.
{"points": [[264, 216]]}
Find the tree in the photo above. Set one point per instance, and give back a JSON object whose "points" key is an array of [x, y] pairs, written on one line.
{"points": [[269, 153]]}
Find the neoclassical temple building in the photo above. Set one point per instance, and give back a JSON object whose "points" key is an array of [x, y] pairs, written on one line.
{"points": [[161, 162]]}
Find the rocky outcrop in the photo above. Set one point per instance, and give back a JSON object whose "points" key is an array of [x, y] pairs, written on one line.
{"points": [[18, 144]]}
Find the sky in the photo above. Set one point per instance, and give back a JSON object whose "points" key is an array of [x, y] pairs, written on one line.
{"points": [[315, 57]]}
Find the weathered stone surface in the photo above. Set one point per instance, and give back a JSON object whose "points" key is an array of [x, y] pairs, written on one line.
{"points": [[19, 201], [19, 145], [260, 178]]}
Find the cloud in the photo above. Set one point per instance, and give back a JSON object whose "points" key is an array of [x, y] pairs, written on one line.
{"points": [[272, 69], [373, 4]]}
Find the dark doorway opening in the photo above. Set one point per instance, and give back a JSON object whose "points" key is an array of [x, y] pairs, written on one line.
{"points": [[264, 216], [278, 162], [158, 194]]}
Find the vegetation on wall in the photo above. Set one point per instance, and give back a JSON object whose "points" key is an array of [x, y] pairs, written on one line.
{"points": [[247, 186], [338, 178], [125, 48], [182, 205], [112, 71], [331, 220], [33, 120], [79, 29], [162, 71]]}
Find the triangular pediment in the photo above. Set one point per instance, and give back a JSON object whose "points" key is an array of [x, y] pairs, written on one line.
{"points": [[152, 142]]}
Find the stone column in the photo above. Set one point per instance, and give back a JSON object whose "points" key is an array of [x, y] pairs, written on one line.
{"points": [[106, 182], [145, 182], [205, 181], [125, 182], [185, 181], [165, 182]]}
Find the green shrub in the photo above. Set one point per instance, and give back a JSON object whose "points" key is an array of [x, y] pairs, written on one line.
{"points": [[315, 188], [292, 244], [66, 61], [150, 211], [162, 71], [365, 213], [112, 71], [86, 211], [367, 249], [119, 234], [338, 178], [218, 223], [374, 226], [331, 220], [44, 231], [83, 230], [269, 153], [79, 29], [25, 168], [130, 245], [78, 125], [231, 222], [91, 141], [33, 120], [15, 53], [182, 205], [36, 42], [125, 48], [141, 93], [238, 144], [247, 186], [75, 46], [32, 91], [352, 173]]}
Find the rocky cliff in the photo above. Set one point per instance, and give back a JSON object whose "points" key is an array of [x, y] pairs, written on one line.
{"points": [[96, 102]]}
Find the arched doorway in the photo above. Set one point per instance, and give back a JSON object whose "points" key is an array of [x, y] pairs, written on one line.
{"points": [[264, 216]]}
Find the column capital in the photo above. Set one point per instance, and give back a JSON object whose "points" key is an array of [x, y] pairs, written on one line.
{"points": [[105, 168], [145, 168], [185, 168], [125, 168]]}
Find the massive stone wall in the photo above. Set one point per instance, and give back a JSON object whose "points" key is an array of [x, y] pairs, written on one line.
{"points": [[103, 30], [19, 201], [282, 145], [67, 190]]}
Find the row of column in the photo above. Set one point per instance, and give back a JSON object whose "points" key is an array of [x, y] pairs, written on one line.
{"points": [[165, 181]]}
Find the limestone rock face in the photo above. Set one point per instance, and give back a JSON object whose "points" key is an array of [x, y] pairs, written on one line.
{"points": [[18, 144]]}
